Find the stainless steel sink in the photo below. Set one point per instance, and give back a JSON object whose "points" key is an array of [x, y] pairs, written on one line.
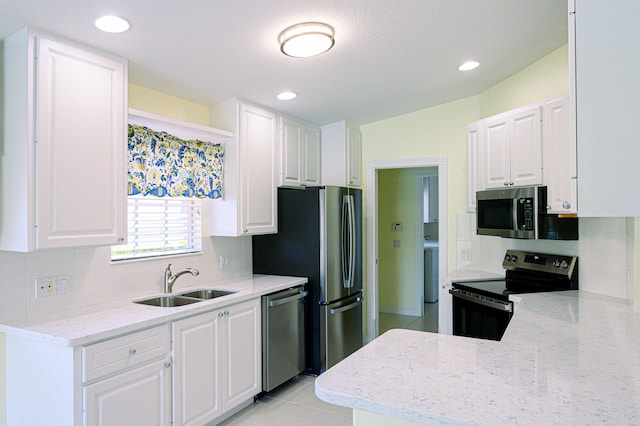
{"points": [[207, 293], [168, 301]]}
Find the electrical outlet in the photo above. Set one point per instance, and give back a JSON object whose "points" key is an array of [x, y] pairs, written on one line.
{"points": [[464, 254], [225, 259], [52, 286], [396, 227]]}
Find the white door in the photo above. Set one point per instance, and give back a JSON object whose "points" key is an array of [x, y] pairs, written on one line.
{"points": [[497, 153], [259, 170], [243, 357], [474, 164], [526, 147], [141, 397], [196, 369], [311, 155], [80, 142]]}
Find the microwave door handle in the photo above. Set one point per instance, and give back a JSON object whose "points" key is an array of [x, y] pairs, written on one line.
{"points": [[514, 210]]}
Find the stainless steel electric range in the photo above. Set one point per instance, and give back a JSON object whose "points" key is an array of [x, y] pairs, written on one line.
{"points": [[482, 308]]}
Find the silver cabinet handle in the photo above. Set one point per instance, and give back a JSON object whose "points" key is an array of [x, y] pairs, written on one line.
{"points": [[132, 351], [566, 205], [284, 300], [220, 314], [167, 364]]}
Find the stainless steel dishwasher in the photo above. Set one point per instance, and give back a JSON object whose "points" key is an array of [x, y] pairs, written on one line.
{"points": [[283, 354]]}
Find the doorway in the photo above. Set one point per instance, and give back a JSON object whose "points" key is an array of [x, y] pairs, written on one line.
{"points": [[385, 247]]}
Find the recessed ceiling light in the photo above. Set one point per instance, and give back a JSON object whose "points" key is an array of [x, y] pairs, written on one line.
{"points": [[287, 96], [467, 66], [112, 24], [306, 39]]}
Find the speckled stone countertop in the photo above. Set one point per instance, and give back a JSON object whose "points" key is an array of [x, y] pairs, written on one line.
{"points": [[93, 323], [567, 358]]}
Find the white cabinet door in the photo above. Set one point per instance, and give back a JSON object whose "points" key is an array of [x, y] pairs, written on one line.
{"points": [[300, 152], [65, 140], [474, 163], [559, 150], [242, 334], [341, 153], [216, 362], [607, 96], [196, 369], [526, 147], [512, 149], [291, 150], [251, 172], [311, 155], [258, 156], [138, 397], [354, 157], [497, 153]]}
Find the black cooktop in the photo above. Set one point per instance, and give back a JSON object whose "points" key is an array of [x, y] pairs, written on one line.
{"points": [[528, 273]]}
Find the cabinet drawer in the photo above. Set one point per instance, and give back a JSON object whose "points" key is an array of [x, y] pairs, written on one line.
{"points": [[124, 352]]}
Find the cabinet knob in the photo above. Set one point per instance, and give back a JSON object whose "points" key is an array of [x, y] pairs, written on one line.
{"points": [[132, 351], [510, 183], [167, 364], [120, 239], [220, 314], [226, 313], [566, 205], [506, 184]]}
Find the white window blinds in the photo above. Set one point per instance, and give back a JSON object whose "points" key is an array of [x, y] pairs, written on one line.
{"points": [[161, 226]]}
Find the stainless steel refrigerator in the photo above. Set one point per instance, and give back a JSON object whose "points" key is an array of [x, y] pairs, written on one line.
{"points": [[320, 237]]}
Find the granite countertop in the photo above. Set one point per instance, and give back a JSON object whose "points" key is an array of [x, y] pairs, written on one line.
{"points": [[566, 358], [98, 322]]}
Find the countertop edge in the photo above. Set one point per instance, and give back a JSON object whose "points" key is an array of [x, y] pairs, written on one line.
{"points": [[118, 318]]}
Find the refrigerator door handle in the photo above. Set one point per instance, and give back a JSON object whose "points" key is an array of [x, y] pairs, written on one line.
{"points": [[348, 240], [346, 308]]}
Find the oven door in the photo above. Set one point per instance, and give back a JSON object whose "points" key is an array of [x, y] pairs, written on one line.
{"points": [[479, 316]]}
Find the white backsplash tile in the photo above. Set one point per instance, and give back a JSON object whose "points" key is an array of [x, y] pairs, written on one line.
{"points": [[95, 279], [603, 252]]}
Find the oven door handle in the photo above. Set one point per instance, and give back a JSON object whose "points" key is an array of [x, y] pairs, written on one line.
{"points": [[495, 304]]}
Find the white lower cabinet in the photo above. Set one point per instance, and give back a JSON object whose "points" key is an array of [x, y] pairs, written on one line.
{"points": [[211, 369], [216, 362], [138, 397]]}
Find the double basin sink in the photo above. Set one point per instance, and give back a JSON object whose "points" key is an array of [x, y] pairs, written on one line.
{"points": [[186, 298]]}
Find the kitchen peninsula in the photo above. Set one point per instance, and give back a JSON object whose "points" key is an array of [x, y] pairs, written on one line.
{"points": [[566, 358]]}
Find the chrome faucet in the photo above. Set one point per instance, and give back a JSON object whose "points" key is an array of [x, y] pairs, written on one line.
{"points": [[170, 279]]}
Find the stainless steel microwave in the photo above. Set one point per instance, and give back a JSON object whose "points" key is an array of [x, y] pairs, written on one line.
{"points": [[521, 212]]}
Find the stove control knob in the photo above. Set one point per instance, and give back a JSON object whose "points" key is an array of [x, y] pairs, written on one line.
{"points": [[514, 258], [507, 257], [556, 263], [564, 264]]}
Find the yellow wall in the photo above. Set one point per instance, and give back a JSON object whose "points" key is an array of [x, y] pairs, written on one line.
{"points": [[396, 189], [169, 106], [441, 131]]}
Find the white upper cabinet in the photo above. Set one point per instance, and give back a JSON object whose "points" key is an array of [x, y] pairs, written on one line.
{"points": [[249, 204], [604, 46], [512, 148], [559, 149], [341, 155], [63, 160], [475, 135], [299, 152]]}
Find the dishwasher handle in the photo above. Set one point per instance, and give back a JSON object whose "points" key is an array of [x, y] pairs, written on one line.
{"points": [[284, 300]]}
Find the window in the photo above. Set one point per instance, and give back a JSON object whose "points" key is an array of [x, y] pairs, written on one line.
{"points": [[160, 227]]}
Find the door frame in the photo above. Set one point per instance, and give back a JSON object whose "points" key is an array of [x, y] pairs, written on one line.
{"points": [[372, 167]]}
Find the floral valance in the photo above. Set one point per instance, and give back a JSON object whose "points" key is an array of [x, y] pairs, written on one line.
{"points": [[161, 164]]}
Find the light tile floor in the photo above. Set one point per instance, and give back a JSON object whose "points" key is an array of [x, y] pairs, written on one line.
{"points": [[294, 403], [429, 322]]}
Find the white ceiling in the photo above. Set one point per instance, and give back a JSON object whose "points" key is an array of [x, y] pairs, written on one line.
{"points": [[391, 57]]}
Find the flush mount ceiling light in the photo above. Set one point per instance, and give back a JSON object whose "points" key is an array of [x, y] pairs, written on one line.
{"points": [[306, 39], [468, 66], [287, 96], [112, 24]]}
